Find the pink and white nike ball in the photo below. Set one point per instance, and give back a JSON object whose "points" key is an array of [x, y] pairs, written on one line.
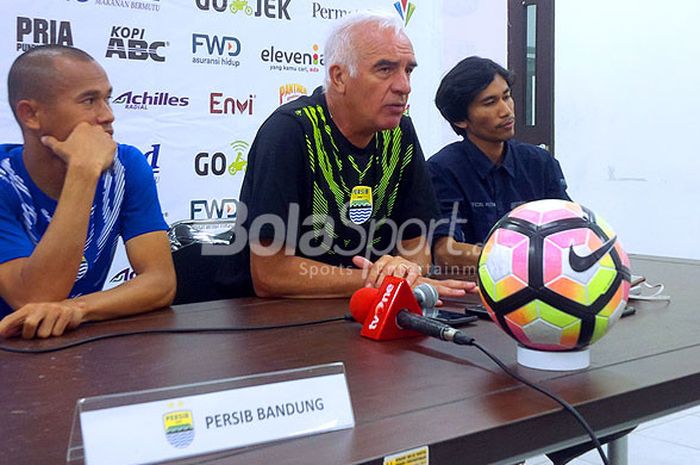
{"points": [[553, 275]]}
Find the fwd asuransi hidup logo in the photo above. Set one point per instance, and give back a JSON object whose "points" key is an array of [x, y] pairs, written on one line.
{"points": [[215, 50]]}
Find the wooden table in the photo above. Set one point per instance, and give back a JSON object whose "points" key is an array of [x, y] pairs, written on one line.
{"points": [[405, 393]]}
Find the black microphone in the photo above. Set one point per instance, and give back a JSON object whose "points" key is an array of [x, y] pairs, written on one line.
{"points": [[430, 327]]}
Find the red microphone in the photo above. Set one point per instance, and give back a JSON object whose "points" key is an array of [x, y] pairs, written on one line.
{"points": [[377, 309], [393, 312]]}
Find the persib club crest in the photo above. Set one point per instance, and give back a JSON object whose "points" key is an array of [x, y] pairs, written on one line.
{"points": [[179, 428], [360, 204]]}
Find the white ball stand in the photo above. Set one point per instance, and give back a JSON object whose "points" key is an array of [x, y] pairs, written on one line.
{"points": [[554, 361]]}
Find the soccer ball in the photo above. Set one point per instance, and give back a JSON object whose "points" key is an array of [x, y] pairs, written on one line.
{"points": [[553, 275]]}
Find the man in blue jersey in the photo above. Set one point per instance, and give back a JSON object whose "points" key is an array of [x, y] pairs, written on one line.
{"points": [[66, 195], [488, 173]]}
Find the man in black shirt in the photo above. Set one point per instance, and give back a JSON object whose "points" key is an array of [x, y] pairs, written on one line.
{"points": [[336, 195]]}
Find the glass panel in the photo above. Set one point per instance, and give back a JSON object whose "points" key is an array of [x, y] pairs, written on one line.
{"points": [[530, 68]]}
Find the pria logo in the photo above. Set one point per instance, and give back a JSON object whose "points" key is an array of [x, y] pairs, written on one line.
{"points": [[32, 32]]}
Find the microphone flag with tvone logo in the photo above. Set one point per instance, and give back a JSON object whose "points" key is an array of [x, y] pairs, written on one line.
{"points": [[376, 309]]}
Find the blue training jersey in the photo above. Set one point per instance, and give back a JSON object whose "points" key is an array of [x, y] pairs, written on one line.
{"points": [[125, 204]]}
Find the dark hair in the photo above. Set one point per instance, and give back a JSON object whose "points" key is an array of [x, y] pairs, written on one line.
{"points": [[32, 74], [462, 84]]}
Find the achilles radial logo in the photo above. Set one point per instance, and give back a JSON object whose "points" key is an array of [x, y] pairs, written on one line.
{"points": [[178, 426], [289, 92], [32, 32], [141, 101], [123, 275], [127, 43]]}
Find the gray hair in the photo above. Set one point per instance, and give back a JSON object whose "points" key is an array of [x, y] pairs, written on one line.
{"points": [[339, 48]]}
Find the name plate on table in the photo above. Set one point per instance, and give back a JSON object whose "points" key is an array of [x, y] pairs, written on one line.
{"points": [[178, 426]]}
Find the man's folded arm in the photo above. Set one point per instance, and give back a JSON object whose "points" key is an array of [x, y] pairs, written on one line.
{"points": [[153, 286], [48, 274], [285, 275]]}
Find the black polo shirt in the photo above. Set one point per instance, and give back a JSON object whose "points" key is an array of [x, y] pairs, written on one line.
{"points": [[484, 192], [301, 172]]}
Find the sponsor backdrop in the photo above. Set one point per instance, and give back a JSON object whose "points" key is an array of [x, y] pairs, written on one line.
{"points": [[194, 79]]}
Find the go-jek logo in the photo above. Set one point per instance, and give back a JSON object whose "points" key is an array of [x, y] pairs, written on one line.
{"points": [[272, 9], [217, 163], [405, 9]]}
